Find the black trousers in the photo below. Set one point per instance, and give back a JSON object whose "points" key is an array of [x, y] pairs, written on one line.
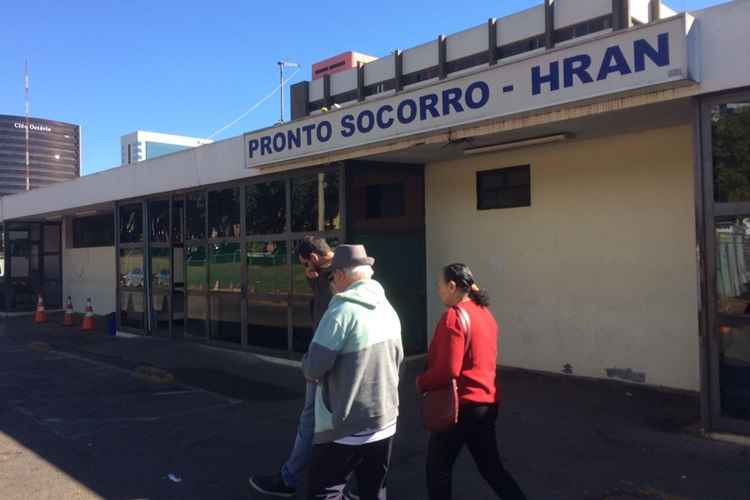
{"points": [[332, 464], [476, 429]]}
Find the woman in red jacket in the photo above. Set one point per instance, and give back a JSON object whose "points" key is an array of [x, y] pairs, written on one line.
{"points": [[473, 365]]}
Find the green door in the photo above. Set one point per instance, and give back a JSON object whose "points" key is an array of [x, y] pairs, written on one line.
{"points": [[385, 204]]}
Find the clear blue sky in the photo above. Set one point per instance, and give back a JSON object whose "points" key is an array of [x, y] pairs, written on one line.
{"points": [[188, 67]]}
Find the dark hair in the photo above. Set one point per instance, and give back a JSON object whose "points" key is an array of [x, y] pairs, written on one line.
{"points": [[461, 275], [312, 244]]}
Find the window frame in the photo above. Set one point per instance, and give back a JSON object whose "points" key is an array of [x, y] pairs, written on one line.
{"points": [[483, 174]]}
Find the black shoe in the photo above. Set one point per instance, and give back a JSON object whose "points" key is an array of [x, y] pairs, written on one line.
{"points": [[272, 485]]}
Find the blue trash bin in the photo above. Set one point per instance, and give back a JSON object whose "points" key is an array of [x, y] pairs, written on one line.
{"points": [[111, 325]]}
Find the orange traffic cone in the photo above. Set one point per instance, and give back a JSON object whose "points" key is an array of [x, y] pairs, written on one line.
{"points": [[68, 318], [40, 316], [88, 318]]}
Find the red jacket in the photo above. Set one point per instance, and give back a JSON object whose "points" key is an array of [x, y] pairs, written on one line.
{"points": [[475, 368]]}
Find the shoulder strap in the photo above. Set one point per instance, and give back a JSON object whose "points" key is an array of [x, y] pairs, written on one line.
{"points": [[465, 320]]}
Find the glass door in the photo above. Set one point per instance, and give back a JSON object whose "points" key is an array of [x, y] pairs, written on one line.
{"points": [[726, 208], [178, 267], [52, 265], [196, 267], [733, 315], [225, 266], [131, 268], [160, 268]]}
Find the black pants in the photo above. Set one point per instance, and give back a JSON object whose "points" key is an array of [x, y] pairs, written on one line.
{"points": [[476, 429], [332, 464]]}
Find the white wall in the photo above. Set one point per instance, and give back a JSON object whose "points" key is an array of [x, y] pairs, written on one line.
{"points": [[191, 168], [639, 10], [90, 272], [569, 12], [599, 272], [521, 25]]}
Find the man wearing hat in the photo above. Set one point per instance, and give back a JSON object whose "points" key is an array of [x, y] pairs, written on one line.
{"points": [[354, 358]]}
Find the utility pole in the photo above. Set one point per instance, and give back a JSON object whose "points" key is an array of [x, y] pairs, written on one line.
{"points": [[282, 65], [26, 94]]}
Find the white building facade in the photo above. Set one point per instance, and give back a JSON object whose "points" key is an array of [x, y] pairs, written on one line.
{"points": [[586, 159], [142, 145]]}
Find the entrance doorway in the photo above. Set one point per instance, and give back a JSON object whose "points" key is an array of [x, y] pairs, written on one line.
{"points": [[726, 207], [385, 203]]}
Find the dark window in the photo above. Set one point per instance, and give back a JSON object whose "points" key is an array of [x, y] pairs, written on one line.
{"points": [[178, 207], [131, 223], [386, 200], [730, 142], [158, 212], [130, 154], [266, 208], [421, 75], [504, 188], [2, 251], [195, 220], [94, 231], [345, 97], [521, 47], [316, 105], [307, 204], [377, 88], [337, 65], [583, 28], [224, 213], [468, 62]]}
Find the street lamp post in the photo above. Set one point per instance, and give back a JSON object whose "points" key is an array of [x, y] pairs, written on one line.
{"points": [[282, 65]]}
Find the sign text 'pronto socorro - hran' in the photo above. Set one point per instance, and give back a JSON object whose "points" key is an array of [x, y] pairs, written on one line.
{"points": [[653, 55]]}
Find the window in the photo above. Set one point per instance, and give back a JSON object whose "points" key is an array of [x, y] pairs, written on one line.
{"points": [[159, 221], [730, 136], [224, 213], [225, 267], [421, 76], [267, 268], [178, 207], [161, 274], [130, 154], [131, 223], [195, 222], [2, 251], [94, 231], [386, 200], [583, 28], [516, 48], [468, 62], [154, 149], [195, 262], [131, 268], [504, 188], [266, 208], [315, 203]]}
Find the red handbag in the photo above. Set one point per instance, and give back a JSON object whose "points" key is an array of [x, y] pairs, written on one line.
{"points": [[439, 408]]}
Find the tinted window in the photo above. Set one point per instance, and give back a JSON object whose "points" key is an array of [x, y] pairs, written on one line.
{"points": [[730, 127], [504, 188], [224, 213], [131, 223], [94, 231], [266, 208], [307, 205], [385, 200], [158, 212], [195, 222]]}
